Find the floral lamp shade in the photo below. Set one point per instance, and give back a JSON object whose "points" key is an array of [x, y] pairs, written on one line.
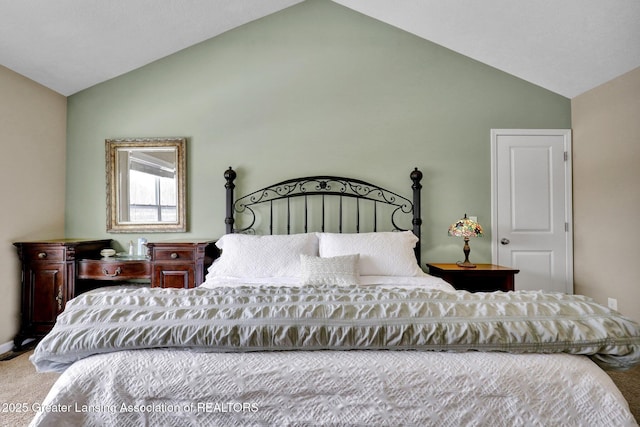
{"points": [[466, 228]]}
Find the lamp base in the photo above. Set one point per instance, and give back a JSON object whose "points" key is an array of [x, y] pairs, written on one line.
{"points": [[465, 264], [467, 250]]}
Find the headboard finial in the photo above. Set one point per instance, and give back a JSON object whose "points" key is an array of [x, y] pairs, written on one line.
{"points": [[229, 175], [416, 177]]}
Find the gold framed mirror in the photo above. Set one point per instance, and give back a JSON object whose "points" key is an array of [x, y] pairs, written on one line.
{"points": [[146, 185]]}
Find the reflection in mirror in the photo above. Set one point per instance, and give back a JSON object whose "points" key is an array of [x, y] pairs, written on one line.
{"points": [[152, 187], [146, 185]]}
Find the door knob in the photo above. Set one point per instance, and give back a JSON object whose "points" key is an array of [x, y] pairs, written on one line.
{"points": [[505, 241]]}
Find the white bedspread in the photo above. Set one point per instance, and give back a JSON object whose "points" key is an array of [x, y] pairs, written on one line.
{"points": [[361, 388]]}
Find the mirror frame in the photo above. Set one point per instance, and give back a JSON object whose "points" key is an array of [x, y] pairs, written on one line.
{"points": [[113, 203]]}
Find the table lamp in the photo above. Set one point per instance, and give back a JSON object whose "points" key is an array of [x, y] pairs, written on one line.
{"points": [[466, 228]]}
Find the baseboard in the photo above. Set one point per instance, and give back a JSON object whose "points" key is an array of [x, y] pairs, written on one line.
{"points": [[6, 347], [7, 351]]}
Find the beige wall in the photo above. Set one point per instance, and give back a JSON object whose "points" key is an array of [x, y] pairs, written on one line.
{"points": [[606, 147], [32, 172]]}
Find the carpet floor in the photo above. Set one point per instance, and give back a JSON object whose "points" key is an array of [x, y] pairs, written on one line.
{"points": [[22, 386]]}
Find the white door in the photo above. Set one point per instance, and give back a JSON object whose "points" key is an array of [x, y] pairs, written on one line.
{"points": [[531, 207]]}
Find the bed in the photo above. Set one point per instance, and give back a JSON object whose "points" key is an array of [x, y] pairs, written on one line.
{"points": [[326, 318]]}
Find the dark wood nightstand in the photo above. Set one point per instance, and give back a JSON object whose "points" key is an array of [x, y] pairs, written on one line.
{"points": [[180, 264], [49, 281], [483, 278]]}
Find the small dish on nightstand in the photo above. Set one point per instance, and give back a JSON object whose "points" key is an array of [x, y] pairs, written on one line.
{"points": [[107, 253]]}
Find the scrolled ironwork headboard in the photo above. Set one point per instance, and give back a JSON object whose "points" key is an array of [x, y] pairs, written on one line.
{"points": [[323, 186]]}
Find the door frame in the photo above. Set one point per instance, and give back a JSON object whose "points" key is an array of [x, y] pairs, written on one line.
{"points": [[568, 188]]}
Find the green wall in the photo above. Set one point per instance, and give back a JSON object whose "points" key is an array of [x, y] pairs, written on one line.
{"points": [[313, 89]]}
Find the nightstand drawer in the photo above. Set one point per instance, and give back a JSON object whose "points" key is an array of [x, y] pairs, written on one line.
{"points": [[45, 254], [173, 254], [113, 269]]}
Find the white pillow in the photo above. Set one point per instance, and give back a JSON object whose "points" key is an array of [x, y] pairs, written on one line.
{"points": [[245, 255], [381, 253], [339, 270]]}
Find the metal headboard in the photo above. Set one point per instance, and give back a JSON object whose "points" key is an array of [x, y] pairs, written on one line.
{"points": [[323, 186]]}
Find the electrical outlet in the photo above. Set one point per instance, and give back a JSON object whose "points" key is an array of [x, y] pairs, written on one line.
{"points": [[612, 303], [473, 218]]}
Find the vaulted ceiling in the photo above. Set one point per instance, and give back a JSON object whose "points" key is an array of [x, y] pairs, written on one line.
{"points": [[567, 46]]}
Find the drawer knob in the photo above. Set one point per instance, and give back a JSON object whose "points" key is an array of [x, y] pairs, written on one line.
{"points": [[115, 273], [42, 255], [174, 255]]}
